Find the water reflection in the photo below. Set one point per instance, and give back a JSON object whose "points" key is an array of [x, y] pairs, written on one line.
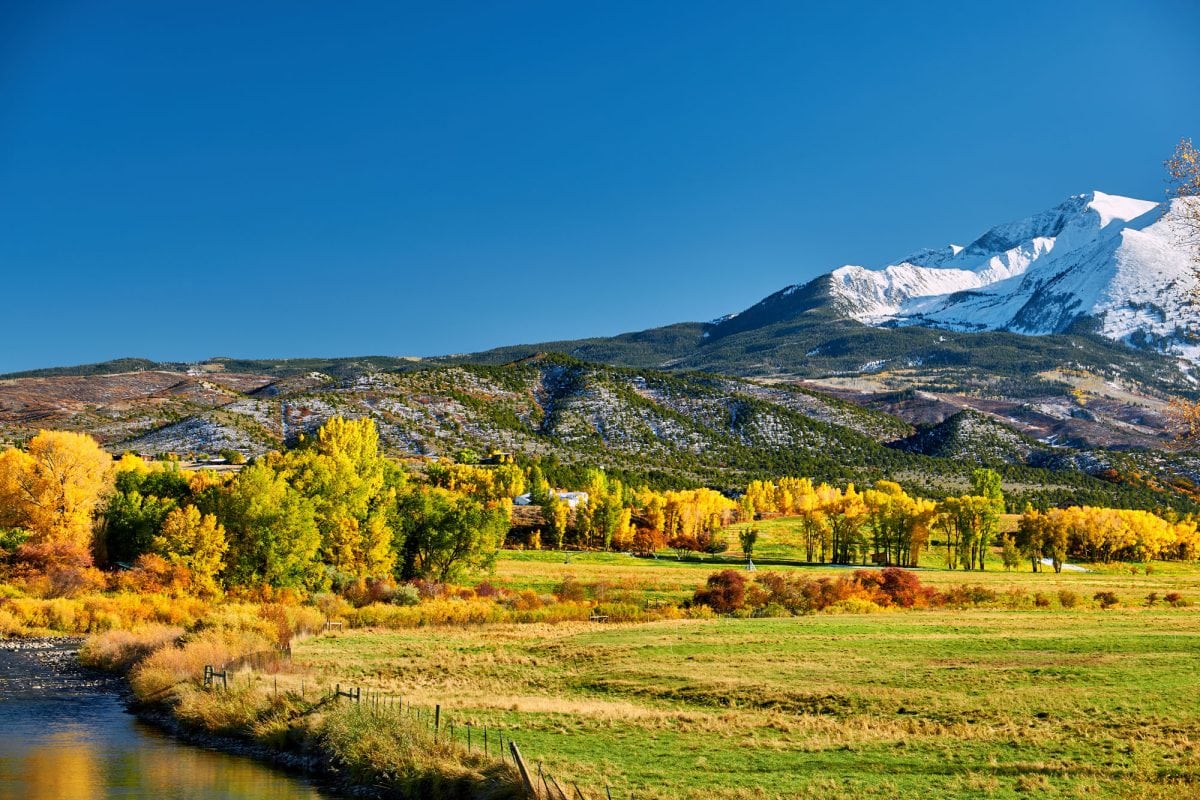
{"points": [[83, 746], [63, 764]]}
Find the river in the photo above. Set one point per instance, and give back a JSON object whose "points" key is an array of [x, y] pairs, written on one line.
{"points": [[65, 735]]}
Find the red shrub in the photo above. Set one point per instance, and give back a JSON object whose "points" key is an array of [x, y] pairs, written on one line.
{"points": [[381, 590], [894, 586], [647, 540], [55, 569], [725, 592], [486, 589]]}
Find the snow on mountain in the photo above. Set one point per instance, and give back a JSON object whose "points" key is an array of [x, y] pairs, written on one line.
{"points": [[1116, 261]]}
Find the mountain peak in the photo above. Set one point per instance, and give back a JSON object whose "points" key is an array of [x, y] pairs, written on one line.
{"points": [[1114, 207], [1109, 262]]}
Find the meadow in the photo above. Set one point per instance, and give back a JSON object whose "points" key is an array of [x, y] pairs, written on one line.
{"points": [[898, 705], [1009, 700]]}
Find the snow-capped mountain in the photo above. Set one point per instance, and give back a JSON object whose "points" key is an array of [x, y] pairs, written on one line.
{"points": [[1117, 265]]}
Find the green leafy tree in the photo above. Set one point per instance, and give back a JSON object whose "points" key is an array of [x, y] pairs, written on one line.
{"points": [[445, 534], [1057, 539], [986, 483], [1044, 536], [539, 487], [581, 524], [272, 531], [1010, 554], [509, 481], [131, 521], [557, 515], [1031, 536], [607, 515], [748, 538], [352, 490]]}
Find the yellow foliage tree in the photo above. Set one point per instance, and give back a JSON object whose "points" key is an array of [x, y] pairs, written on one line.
{"points": [[197, 542], [52, 489], [346, 477]]}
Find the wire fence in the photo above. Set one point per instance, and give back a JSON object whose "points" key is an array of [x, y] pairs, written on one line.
{"points": [[490, 741]]}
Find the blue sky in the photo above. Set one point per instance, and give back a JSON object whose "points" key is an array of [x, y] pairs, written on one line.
{"points": [[185, 180]]}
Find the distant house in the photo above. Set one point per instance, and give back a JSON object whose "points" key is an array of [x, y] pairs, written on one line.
{"points": [[572, 498]]}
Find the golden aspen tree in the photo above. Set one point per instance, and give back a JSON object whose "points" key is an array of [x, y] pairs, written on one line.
{"points": [[814, 522], [1183, 173], [352, 490], [847, 516]]}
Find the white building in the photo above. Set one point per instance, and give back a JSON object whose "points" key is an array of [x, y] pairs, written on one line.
{"points": [[572, 498]]}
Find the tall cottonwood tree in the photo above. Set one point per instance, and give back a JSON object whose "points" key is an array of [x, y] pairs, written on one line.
{"points": [[444, 533], [144, 493], [1183, 175], [986, 483], [53, 487]]}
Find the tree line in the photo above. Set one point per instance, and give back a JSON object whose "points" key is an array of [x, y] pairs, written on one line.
{"points": [[328, 513], [334, 512]]}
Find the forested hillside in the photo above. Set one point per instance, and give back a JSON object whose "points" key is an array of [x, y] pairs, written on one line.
{"points": [[667, 429]]}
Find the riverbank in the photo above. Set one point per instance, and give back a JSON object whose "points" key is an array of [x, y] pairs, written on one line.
{"points": [[360, 749], [68, 732]]}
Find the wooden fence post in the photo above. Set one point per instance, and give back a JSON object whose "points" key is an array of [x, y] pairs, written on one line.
{"points": [[520, 762]]}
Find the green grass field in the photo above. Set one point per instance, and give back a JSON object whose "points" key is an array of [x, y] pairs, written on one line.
{"points": [[910, 704], [936, 703]]}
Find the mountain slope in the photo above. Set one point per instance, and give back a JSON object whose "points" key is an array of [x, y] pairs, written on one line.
{"points": [[668, 429], [971, 437]]}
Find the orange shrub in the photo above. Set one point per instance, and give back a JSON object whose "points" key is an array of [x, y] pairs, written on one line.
{"points": [[894, 586], [154, 574], [525, 600], [99, 613]]}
